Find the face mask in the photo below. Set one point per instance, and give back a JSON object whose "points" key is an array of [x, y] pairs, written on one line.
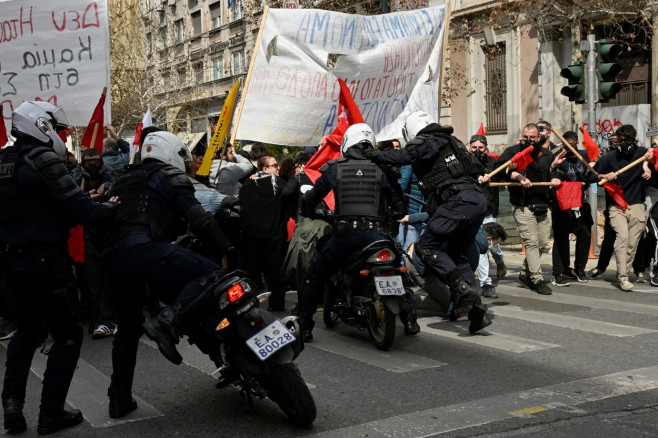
{"points": [[92, 169]]}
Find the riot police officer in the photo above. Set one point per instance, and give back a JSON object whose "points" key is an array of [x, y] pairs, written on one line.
{"points": [[449, 178], [365, 214], [40, 202], [157, 205]]}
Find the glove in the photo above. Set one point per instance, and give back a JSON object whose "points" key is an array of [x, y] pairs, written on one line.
{"points": [[228, 203], [370, 153]]}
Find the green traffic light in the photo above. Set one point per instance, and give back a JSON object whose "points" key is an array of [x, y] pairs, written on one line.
{"points": [[575, 74], [608, 69]]}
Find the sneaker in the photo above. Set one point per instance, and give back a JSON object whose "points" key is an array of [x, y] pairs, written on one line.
{"points": [[525, 281], [640, 278], [104, 330], [653, 279], [7, 330], [580, 275], [501, 270], [560, 280], [625, 285], [541, 288], [488, 291], [569, 274], [595, 272]]}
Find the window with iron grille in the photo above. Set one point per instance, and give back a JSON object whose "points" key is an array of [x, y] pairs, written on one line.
{"points": [[218, 68], [496, 88]]}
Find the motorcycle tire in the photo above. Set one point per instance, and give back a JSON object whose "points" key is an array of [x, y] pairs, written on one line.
{"points": [[381, 322], [329, 317], [286, 387]]}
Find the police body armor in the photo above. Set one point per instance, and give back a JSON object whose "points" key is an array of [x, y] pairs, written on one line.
{"points": [[359, 192], [48, 165], [138, 212]]}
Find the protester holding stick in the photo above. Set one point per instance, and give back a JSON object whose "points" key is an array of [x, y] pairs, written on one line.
{"points": [[626, 210]]}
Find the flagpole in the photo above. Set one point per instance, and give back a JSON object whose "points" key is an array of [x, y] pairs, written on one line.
{"points": [[251, 68], [444, 54], [625, 168], [518, 184], [573, 150]]}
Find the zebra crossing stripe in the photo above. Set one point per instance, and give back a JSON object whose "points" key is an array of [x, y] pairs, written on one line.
{"points": [[459, 332], [570, 322], [88, 392], [363, 351], [596, 303], [443, 419]]}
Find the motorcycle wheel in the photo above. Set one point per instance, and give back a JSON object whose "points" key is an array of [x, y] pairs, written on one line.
{"points": [[329, 317], [381, 322], [286, 387]]}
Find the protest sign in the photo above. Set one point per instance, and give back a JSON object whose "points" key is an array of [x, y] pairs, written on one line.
{"points": [[56, 51], [390, 62]]}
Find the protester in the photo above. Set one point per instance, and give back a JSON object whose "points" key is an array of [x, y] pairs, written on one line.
{"points": [[628, 221], [530, 203], [226, 171]]}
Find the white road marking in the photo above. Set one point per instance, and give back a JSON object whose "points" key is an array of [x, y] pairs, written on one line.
{"points": [[459, 331], [444, 419], [570, 322]]}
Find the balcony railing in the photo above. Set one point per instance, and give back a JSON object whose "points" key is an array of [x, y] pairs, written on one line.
{"points": [[632, 93]]}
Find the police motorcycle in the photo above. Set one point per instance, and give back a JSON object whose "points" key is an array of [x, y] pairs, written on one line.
{"points": [[368, 292], [253, 350]]}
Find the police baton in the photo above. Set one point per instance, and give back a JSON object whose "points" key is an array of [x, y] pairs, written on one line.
{"points": [[420, 201]]}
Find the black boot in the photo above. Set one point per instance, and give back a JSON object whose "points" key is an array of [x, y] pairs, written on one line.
{"points": [[161, 330], [14, 419], [479, 318], [121, 402], [465, 294], [306, 325], [51, 423], [409, 321]]}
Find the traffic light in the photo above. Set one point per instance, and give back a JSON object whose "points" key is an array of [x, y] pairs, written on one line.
{"points": [[575, 73], [607, 69]]}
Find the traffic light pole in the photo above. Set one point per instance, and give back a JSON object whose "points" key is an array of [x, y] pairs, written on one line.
{"points": [[591, 119]]}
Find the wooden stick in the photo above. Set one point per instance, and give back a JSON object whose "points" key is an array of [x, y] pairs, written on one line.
{"points": [[504, 166], [245, 88], [625, 168], [93, 136], [575, 152], [132, 155], [518, 184]]}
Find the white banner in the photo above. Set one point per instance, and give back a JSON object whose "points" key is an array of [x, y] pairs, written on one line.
{"points": [[56, 51], [612, 117], [390, 62]]}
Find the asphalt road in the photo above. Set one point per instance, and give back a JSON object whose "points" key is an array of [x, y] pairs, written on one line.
{"points": [[581, 362]]}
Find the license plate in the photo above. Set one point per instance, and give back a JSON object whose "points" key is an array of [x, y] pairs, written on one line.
{"points": [[270, 340], [389, 285]]}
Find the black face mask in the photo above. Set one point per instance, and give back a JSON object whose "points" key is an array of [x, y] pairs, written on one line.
{"points": [[481, 156], [92, 169], [625, 150]]}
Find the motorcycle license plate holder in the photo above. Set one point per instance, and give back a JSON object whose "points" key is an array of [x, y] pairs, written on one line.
{"points": [[389, 286], [270, 340]]}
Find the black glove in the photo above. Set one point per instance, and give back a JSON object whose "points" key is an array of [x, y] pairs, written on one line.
{"points": [[228, 203], [107, 209], [370, 153]]}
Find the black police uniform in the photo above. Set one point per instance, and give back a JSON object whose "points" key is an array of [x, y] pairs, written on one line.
{"points": [[362, 193], [39, 202], [157, 204], [457, 207]]}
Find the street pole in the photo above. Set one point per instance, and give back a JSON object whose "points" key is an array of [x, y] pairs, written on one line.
{"points": [[591, 120]]}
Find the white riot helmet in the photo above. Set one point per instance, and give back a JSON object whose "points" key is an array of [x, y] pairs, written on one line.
{"points": [[42, 122], [359, 133], [415, 123], [166, 147]]}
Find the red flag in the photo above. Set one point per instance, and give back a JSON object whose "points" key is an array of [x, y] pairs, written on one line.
{"points": [[95, 124], [348, 114], [523, 158], [569, 195], [591, 147], [481, 130], [77, 243], [146, 122], [617, 194], [654, 150], [3, 130], [494, 156]]}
